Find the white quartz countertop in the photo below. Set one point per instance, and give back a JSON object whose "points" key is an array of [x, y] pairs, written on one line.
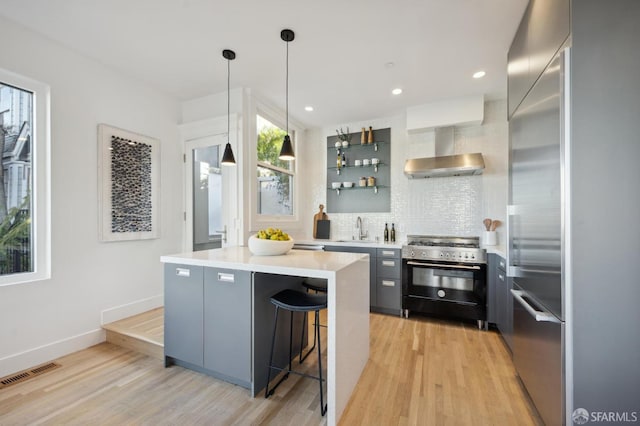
{"points": [[349, 243], [500, 250], [319, 264]]}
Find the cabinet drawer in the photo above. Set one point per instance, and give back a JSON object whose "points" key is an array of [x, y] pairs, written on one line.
{"points": [[389, 293], [502, 264], [388, 253], [389, 268]]}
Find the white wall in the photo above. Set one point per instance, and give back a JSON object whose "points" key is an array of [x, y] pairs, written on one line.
{"points": [[42, 320], [440, 206]]}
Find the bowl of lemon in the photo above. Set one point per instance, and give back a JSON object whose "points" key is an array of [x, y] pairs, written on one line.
{"points": [[270, 242]]}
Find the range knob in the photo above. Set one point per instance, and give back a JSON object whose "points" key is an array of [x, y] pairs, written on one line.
{"points": [[412, 253], [446, 255], [424, 254], [441, 254]]}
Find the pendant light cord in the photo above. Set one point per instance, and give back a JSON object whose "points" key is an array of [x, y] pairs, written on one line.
{"points": [[228, 100], [287, 88]]}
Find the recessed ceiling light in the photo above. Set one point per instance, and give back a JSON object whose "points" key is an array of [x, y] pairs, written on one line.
{"points": [[479, 74], [389, 65], [396, 91], [308, 108]]}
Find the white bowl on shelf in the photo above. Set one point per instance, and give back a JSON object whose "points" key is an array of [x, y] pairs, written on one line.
{"points": [[261, 247], [375, 161], [357, 163], [336, 185], [337, 144], [366, 162], [347, 184]]}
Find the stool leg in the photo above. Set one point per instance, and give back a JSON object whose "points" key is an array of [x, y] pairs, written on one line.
{"points": [[304, 329], [290, 340], [273, 344], [323, 407]]}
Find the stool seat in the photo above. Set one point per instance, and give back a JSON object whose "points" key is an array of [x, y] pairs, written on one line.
{"points": [[298, 301], [317, 284]]}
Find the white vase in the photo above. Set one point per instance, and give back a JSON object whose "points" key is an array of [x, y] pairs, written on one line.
{"points": [[490, 238]]}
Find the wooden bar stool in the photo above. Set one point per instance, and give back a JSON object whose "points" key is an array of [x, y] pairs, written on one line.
{"points": [[297, 301]]}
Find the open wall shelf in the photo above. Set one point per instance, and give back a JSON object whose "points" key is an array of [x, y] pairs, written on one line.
{"points": [[360, 199]]}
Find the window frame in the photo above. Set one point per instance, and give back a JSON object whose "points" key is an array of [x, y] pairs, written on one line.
{"points": [[277, 118], [41, 178]]}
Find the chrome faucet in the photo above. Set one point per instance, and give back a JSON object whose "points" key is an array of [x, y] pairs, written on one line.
{"points": [[362, 235]]}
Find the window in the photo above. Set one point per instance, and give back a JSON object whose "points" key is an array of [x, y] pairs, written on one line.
{"points": [[24, 180], [275, 177]]}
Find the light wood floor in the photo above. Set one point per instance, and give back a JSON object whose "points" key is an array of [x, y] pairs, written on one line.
{"points": [[420, 372], [141, 333], [147, 326]]}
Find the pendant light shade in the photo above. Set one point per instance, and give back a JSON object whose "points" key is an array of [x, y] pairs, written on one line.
{"points": [[286, 152], [227, 157]]}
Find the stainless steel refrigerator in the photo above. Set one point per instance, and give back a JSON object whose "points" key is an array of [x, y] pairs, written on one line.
{"points": [[536, 239], [574, 241]]}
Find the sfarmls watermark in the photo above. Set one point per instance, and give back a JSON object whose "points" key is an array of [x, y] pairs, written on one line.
{"points": [[581, 416]]}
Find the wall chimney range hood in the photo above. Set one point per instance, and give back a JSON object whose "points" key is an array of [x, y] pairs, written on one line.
{"points": [[444, 163]]}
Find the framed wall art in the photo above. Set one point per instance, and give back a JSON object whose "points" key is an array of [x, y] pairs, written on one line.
{"points": [[128, 185]]}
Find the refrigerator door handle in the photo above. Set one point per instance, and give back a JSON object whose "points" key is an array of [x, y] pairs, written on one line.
{"points": [[518, 271], [540, 316]]}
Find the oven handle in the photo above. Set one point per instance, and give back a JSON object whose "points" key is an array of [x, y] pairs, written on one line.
{"points": [[443, 266]]}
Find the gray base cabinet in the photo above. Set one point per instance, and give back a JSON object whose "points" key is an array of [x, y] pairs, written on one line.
{"points": [[388, 279], [208, 321], [183, 312], [499, 300], [227, 322], [373, 299], [385, 273]]}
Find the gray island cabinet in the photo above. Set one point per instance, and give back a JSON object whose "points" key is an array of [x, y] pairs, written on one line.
{"points": [[208, 320], [219, 320]]}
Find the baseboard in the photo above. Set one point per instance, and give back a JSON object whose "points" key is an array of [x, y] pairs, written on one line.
{"points": [[32, 357], [130, 309]]}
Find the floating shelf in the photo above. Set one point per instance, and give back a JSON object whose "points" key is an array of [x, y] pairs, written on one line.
{"points": [[374, 145], [374, 166], [375, 188]]}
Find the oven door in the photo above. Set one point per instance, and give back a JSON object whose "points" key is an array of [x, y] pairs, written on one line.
{"points": [[450, 289]]}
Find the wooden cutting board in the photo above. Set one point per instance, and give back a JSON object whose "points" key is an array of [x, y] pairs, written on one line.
{"points": [[323, 230], [321, 215]]}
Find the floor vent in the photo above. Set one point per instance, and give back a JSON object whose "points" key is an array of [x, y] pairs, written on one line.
{"points": [[27, 374]]}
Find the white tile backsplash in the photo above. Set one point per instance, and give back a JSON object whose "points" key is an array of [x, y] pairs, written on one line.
{"points": [[438, 206]]}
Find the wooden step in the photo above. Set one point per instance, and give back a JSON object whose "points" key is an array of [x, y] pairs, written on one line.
{"points": [[142, 333]]}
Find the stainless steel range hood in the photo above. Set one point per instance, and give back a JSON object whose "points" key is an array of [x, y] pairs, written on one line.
{"points": [[444, 164]]}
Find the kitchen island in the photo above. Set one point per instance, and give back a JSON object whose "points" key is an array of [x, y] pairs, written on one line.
{"points": [[223, 295]]}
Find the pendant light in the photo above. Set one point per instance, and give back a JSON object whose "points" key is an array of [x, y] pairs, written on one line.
{"points": [[227, 158], [286, 152]]}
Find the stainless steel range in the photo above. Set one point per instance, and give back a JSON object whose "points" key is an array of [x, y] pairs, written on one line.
{"points": [[444, 276]]}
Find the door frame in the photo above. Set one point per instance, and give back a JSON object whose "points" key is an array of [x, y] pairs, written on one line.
{"points": [[191, 134]]}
